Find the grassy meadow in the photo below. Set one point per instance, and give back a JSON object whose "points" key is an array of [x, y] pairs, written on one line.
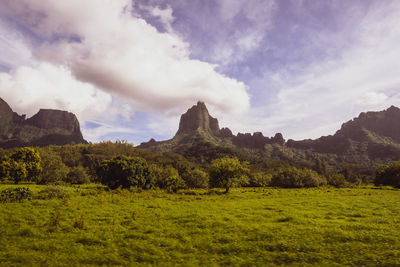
{"points": [[89, 225]]}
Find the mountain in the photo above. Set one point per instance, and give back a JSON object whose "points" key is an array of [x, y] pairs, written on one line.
{"points": [[376, 135], [47, 127], [368, 140]]}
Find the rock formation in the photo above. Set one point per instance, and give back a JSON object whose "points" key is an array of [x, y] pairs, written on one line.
{"points": [[47, 127], [198, 125], [197, 117], [370, 139]]}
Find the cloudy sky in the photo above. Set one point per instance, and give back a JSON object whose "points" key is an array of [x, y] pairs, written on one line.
{"points": [[129, 68]]}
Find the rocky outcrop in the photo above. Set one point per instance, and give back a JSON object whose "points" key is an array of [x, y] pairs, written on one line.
{"points": [[47, 127], [375, 131], [256, 140], [196, 125], [197, 117]]}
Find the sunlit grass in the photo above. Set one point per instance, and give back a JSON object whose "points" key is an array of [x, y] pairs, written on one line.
{"points": [[323, 226]]}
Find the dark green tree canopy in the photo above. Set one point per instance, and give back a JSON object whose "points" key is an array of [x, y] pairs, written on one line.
{"points": [[123, 171], [388, 175]]}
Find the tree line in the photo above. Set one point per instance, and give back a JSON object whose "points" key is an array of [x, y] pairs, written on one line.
{"points": [[119, 164]]}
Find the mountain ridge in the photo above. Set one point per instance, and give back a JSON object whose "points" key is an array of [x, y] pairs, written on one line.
{"points": [[369, 139], [46, 127]]}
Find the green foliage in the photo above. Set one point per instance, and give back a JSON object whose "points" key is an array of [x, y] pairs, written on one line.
{"points": [[17, 171], [77, 175], [18, 194], [293, 177], [23, 164], [30, 158], [123, 171], [228, 172], [53, 192], [351, 174], [173, 181], [388, 175], [196, 178], [337, 180], [260, 179], [55, 170]]}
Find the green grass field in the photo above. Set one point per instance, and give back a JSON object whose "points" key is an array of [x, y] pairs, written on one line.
{"points": [[265, 226]]}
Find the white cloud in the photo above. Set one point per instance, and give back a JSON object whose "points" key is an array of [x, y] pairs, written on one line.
{"points": [[14, 50], [258, 14], [165, 16], [27, 89], [97, 134], [125, 56]]}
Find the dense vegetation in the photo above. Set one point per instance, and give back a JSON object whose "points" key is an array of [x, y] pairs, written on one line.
{"points": [[388, 175], [120, 164]]}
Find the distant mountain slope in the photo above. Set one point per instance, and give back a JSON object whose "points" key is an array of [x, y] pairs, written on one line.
{"points": [[47, 127], [370, 139]]}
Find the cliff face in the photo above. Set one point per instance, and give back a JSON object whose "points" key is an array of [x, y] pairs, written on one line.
{"points": [[376, 134], [197, 118], [196, 125], [371, 138], [47, 127]]}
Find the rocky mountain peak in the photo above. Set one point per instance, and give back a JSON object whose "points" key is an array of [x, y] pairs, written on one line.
{"points": [[385, 123], [197, 117], [51, 118], [47, 127]]}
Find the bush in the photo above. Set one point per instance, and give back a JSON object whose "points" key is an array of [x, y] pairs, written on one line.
{"points": [[55, 170], [260, 179], [30, 158], [196, 178], [228, 172], [15, 194], [388, 175], [292, 177], [77, 175], [337, 180], [53, 192], [123, 171]]}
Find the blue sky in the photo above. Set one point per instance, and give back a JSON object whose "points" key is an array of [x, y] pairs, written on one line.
{"points": [[128, 69]]}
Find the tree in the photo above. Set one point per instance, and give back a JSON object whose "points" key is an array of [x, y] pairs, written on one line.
{"points": [[196, 178], [292, 177], [125, 171], [388, 175], [77, 175], [228, 172], [55, 170], [32, 160], [18, 171]]}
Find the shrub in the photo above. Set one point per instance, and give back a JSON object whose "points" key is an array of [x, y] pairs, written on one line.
{"points": [[388, 175], [228, 172], [53, 191], [337, 180], [166, 178], [15, 194], [260, 179], [30, 158], [292, 177], [123, 171], [55, 170], [196, 178], [77, 175]]}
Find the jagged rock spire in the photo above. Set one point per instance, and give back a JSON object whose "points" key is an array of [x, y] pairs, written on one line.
{"points": [[197, 117]]}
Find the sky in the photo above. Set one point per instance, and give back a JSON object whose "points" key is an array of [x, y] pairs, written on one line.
{"points": [[129, 68]]}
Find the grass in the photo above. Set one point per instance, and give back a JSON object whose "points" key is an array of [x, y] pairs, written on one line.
{"points": [[266, 226]]}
